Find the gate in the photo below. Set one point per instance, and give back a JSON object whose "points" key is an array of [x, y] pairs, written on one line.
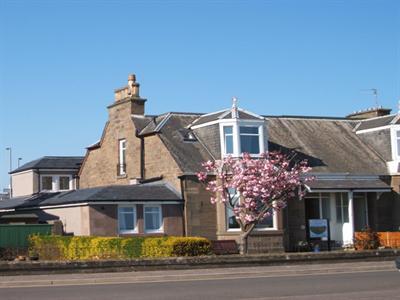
{"points": [[16, 236]]}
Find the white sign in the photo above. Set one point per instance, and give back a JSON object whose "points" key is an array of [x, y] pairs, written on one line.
{"points": [[318, 228]]}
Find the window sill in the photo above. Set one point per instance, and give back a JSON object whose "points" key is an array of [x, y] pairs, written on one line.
{"points": [[122, 176], [128, 232], [153, 231]]}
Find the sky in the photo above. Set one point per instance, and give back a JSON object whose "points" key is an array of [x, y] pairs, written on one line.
{"points": [[60, 62]]}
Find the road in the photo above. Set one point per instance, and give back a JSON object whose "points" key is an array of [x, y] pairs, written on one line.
{"points": [[367, 280]]}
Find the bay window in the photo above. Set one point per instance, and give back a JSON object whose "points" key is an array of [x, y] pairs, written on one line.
{"points": [[240, 137]]}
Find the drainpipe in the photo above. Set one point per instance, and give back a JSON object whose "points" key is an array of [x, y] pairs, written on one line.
{"points": [[142, 173]]}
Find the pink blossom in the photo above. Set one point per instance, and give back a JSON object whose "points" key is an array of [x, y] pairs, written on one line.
{"points": [[264, 184]]}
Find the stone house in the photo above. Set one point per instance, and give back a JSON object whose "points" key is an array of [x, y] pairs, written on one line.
{"points": [[140, 177]]}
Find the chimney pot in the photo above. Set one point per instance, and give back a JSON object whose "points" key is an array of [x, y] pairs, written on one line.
{"points": [[132, 77]]}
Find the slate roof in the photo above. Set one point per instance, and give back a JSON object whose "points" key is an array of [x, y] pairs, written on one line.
{"points": [[188, 154], [224, 114], [159, 191], [376, 122], [349, 184], [330, 146], [52, 162]]}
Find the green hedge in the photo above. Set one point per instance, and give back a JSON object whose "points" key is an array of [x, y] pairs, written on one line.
{"points": [[79, 247]]}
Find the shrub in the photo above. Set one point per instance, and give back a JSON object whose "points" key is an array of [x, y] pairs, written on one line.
{"points": [[176, 246], [366, 240], [81, 247]]}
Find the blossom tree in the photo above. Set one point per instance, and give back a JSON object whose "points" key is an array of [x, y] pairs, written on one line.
{"points": [[263, 186]]}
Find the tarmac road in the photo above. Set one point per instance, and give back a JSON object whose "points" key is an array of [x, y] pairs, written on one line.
{"points": [[364, 280]]}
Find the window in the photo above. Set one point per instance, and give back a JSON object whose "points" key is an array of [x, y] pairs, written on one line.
{"points": [[152, 218], [47, 183], [228, 139], [64, 183], [242, 136], [342, 208], [55, 183], [127, 219], [231, 222], [121, 157], [317, 206], [249, 139], [398, 142]]}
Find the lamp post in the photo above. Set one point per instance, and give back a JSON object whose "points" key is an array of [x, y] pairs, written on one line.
{"points": [[19, 160], [10, 152]]}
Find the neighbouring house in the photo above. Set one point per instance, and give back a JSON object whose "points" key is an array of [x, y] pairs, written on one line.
{"points": [[38, 178], [140, 177]]}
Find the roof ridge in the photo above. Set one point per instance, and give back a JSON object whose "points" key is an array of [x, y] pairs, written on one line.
{"points": [[310, 117]]}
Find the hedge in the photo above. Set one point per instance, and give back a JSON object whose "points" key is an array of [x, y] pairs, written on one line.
{"points": [[81, 248], [175, 246]]}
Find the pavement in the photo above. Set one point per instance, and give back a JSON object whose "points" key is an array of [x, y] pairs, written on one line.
{"points": [[360, 280]]}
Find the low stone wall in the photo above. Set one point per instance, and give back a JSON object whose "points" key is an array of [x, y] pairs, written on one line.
{"points": [[47, 267]]}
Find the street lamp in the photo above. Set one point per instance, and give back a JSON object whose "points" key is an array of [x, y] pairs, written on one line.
{"points": [[19, 160], [10, 151]]}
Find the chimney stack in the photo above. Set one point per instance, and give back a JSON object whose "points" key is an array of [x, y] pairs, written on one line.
{"points": [[369, 113], [128, 96], [129, 91]]}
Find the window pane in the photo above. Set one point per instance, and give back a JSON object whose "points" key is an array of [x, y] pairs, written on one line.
{"points": [[338, 208], [249, 144], [247, 129], [227, 130], [326, 212], [228, 144], [230, 216], [398, 147], [64, 183], [268, 222], [126, 218], [152, 216], [398, 133], [47, 183]]}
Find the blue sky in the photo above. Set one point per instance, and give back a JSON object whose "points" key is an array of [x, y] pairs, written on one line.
{"points": [[61, 60]]}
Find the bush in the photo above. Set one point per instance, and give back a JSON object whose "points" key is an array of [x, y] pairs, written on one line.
{"points": [[81, 247], [176, 246], [366, 240]]}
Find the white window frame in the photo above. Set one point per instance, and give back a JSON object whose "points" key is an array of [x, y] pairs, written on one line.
{"points": [[236, 124], [130, 231], [160, 216], [273, 228], [55, 179], [122, 156]]}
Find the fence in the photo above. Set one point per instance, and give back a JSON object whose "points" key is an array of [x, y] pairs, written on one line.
{"points": [[386, 239], [16, 236]]}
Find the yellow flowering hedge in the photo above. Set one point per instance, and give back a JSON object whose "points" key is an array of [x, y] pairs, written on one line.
{"points": [[89, 248], [175, 246]]}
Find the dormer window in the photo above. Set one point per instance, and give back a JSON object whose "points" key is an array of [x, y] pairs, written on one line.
{"points": [[240, 136], [240, 131]]}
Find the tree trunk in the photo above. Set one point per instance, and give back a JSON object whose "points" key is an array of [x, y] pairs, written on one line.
{"points": [[243, 247]]}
